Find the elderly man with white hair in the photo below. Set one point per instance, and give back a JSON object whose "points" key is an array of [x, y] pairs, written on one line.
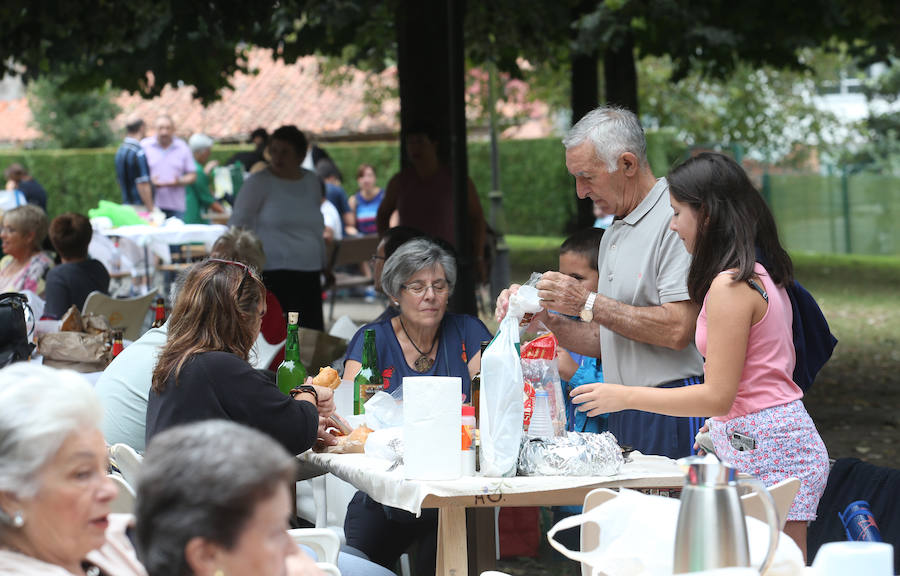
{"points": [[640, 320], [198, 198]]}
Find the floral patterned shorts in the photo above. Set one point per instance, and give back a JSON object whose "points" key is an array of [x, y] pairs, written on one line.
{"points": [[787, 445]]}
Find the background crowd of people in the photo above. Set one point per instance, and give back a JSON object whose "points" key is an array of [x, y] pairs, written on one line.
{"points": [[674, 320]]}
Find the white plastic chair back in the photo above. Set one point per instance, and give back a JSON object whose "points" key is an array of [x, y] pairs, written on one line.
{"points": [[263, 353], [323, 542], [128, 461], [125, 500]]}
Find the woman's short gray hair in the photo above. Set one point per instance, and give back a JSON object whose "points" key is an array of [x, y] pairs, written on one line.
{"points": [[39, 408], [203, 480], [411, 257], [613, 131]]}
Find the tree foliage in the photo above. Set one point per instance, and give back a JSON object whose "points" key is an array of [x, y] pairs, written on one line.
{"points": [[72, 120]]}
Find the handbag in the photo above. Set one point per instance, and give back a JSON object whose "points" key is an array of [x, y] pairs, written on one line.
{"points": [[14, 331]]}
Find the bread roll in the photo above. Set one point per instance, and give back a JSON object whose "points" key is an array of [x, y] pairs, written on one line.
{"points": [[327, 378]]}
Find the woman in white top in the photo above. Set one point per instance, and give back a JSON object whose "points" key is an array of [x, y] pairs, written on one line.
{"points": [[281, 205]]}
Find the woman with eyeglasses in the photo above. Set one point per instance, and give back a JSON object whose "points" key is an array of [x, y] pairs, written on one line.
{"points": [[203, 371], [423, 339]]}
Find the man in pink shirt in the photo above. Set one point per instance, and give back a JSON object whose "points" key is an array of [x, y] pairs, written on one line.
{"points": [[171, 166]]}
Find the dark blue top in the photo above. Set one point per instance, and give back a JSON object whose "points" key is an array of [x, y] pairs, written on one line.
{"points": [[131, 168], [69, 284], [337, 196], [34, 193], [460, 338]]}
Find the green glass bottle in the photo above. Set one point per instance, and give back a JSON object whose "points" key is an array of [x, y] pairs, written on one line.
{"points": [[291, 372], [368, 381]]}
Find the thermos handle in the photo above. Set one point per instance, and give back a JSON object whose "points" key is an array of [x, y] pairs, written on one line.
{"points": [[771, 519]]}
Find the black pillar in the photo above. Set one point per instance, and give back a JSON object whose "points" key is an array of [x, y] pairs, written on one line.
{"points": [[585, 97], [431, 73]]}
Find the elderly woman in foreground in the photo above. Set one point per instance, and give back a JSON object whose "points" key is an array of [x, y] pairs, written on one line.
{"points": [[214, 499], [423, 339], [22, 231], [54, 492]]}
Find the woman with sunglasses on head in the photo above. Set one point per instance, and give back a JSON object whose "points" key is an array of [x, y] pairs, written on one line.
{"points": [[203, 370], [423, 339]]}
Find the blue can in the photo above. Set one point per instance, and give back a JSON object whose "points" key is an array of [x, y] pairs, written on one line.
{"points": [[859, 524]]}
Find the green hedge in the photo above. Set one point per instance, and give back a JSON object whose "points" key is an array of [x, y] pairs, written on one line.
{"points": [[538, 193]]}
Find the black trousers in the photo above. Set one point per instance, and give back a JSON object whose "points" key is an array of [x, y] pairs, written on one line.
{"points": [[384, 533], [298, 291]]}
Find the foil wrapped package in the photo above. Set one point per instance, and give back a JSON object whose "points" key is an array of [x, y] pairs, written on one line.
{"points": [[575, 454]]}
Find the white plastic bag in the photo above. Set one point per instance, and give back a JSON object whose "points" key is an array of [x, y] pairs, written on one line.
{"points": [[633, 523], [501, 409]]}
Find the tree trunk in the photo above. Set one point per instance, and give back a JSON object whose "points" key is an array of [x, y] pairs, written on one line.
{"points": [[585, 97], [620, 74]]}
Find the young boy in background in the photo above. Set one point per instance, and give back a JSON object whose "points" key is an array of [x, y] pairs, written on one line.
{"points": [[578, 259]]}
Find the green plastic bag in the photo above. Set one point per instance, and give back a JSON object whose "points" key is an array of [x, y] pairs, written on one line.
{"points": [[119, 214]]}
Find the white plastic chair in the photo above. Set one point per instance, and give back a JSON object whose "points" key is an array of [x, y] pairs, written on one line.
{"points": [[127, 460], [782, 493], [263, 353], [125, 500], [323, 542], [125, 313]]}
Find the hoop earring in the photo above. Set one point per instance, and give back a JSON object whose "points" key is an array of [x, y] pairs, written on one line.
{"points": [[18, 519]]}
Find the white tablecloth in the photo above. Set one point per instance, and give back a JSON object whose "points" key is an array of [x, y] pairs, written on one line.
{"points": [[390, 488], [158, 238]]}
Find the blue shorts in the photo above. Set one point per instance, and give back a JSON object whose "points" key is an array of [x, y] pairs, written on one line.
{"points": [[658, 434]]}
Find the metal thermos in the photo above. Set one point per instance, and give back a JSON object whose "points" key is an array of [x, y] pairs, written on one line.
{"points": [[711, 532]]}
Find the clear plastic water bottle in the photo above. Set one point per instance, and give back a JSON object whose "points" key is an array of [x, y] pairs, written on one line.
{"points": [[541, 425]]}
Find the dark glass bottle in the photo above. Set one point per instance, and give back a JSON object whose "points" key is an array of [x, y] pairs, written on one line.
{"points": [[160, 318], [368, 381], [475, 392], [291, 372]]}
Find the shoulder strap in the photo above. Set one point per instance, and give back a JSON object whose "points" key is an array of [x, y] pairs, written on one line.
{"points": [[755, 285]]}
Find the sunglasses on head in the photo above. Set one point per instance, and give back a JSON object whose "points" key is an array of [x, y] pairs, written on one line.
{"points": [[242, 266]]}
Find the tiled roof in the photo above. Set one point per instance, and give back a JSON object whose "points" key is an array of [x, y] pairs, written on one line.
{"points": [[275, 95], [15, 119]]}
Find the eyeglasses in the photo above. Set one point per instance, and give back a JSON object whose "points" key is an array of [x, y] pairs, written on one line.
{"points": [[8, 229], [376, 257], [242, 266], [420, 288]]}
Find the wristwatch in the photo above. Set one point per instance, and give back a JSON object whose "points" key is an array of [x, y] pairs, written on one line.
{"points": [[305, 389], [587, 313]]}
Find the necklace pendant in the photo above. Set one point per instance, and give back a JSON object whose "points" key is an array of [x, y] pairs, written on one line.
{"points": [[423, 364]]}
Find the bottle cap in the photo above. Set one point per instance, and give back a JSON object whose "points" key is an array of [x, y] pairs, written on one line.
{"points": [[468, 410], [293, 317]]}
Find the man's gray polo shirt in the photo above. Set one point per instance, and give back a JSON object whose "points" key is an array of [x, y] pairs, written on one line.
{"points": [[643, 263]]}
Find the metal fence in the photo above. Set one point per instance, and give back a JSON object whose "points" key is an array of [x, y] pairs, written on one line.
{"points": [[845, 213]]}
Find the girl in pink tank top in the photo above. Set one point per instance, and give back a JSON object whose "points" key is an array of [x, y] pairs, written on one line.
{"points": [[759, 423]]}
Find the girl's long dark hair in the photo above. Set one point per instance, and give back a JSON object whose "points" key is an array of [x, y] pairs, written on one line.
{"points": [[735, 227]]}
